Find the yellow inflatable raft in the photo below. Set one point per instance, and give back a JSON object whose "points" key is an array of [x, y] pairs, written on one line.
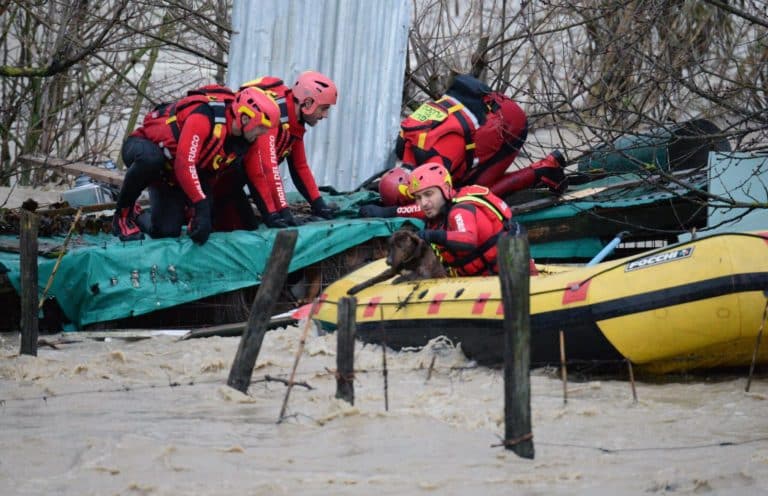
{"points": [[698, 304]]}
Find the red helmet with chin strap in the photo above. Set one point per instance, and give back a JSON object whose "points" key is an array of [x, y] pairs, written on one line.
{"points": [[428, 175], [318, 87], [393, 187], [256, 104]]}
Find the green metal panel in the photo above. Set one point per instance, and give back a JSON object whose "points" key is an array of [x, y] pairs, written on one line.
{"points": [[684, 146]]}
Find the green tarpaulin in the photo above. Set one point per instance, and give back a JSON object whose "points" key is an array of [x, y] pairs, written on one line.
{"points": [[101, 278], [104, 279]]}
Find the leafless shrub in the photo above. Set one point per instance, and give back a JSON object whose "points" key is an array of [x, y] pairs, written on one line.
{"points": [[76, 74]]}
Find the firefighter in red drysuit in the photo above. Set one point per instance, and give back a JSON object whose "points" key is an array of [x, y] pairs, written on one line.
{"points": [[306, 103], [463, 226], [176, 151], [476, 134]]}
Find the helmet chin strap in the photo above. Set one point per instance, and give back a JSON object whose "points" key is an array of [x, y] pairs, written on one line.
{"points": [[299, 110], [231, 118]]}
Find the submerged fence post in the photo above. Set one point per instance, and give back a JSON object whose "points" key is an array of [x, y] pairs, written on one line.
{"points": [[563, 369], [272, 282], [757, 347], [28, 269], [514, 276], [345, 350]]}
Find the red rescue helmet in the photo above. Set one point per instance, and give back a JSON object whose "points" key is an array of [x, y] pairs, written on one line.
{"points": [[393, 187], [253, 102], [428, 175], [312, 84]]}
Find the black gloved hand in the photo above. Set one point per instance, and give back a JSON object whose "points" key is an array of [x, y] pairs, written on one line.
{"points": [[320, 209], [275, 220], [288, 217], [377, 211], [428, 235], [200, 227]]}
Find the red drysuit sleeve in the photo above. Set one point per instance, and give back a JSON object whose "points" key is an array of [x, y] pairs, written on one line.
{"points": [[271, 189], [301, 173], [411, 211], [463, 233], [196, 130], [255, 167]]}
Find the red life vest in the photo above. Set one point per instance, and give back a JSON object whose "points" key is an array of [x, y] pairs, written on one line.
{"points": [[163, 124], [290, 129], [483, 259], [431, 122]]}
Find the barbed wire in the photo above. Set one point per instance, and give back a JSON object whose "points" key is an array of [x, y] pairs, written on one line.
{"points": [[546, 371]]}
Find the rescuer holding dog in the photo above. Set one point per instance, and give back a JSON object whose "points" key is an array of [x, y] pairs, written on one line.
{"points": [[463, 225]]}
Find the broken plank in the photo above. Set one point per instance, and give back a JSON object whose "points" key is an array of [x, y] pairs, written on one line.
{"points": [[76, 168], [235, 329], [593, 191], [44, 249]]}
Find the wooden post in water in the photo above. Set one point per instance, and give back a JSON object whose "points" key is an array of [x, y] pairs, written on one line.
{"points": [[28, 269], [757, 347], [563, 369], [272, 282], [632, 380], [384, 371], [514, 275], [345, 350]]}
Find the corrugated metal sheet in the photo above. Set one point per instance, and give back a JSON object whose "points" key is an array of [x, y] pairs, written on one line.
{"points": [[359, 44]]}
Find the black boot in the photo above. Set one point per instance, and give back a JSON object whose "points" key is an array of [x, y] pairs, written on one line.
{"points": [[550, 172], [124, 225]]}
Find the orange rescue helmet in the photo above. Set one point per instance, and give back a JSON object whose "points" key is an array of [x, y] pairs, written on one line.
{"points": [[428, 175], [312, 84], [256, 104], [393, 187]]}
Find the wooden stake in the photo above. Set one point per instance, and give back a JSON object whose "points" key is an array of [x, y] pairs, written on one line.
{"points": [[757, 347], [632, 381], [29, 286], [431, 366], [299, 352], [345, 350], [384, 360], [563, 370], [272, 281], [514, 275], [58, 260]]}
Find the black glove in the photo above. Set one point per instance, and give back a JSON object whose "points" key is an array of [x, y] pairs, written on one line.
{"points": [[377, 211], [320, 209], [288, 217], [275, 220], [428, 235], [200, 227]]}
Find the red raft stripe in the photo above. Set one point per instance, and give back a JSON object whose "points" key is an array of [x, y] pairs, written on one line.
{"points": [[480, 302], [576, 291], [323, 298], [303, 311], [370, 308], [434, 305]]}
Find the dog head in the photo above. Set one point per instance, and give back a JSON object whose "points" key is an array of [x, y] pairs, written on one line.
{"points": [[404, 247]]}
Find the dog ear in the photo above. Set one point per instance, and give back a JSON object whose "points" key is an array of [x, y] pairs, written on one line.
{"points": [[422, 246]]}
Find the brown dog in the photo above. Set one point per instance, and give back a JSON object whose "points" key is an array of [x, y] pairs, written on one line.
{"points": [[409, 258]]}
